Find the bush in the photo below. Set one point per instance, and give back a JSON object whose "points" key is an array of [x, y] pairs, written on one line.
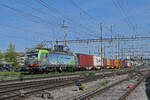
{"points": [[9, 73], [91, 73], [103, 83], [1, 78]]}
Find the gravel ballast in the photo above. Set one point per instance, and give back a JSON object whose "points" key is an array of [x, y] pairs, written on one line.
{"points": [[70, 92]]}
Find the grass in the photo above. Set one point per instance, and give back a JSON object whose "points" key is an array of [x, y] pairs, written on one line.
{"points": [[9, 73], [87, 73], [103, 83], [15, 75], [2, 78], [82, 73]]}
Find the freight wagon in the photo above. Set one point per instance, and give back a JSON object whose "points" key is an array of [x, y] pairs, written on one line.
{"points": [[112, 63], [120, 63], [85, 61], [108, 63], [128, 64], [89, 62], [97, 62], [116, 63]]}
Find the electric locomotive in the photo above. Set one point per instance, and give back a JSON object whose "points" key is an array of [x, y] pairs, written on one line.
{"points": [[47, 60]]}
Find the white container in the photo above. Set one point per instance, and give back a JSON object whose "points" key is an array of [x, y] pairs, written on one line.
{"points": [[97, 61]]}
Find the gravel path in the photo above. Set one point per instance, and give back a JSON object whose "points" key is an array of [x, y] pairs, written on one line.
{"points": [[115, 92], [69, 92], [139, 93]]}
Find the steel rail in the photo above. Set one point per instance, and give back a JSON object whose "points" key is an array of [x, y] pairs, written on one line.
{"points": [[124, 97], [97, 91], [33, 85], [102, 90], [36, 78], [54, 85], [65, 83]]}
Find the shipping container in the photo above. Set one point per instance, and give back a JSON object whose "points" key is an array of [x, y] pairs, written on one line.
{"points": [[104, 62], [116, 63], [128, 64], [120, 63], [85, 60], [108, 64], [123, 63], [112, 63], [98, 63]]}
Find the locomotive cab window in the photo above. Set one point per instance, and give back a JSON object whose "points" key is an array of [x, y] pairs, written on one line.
{"points": [[45, 55]]}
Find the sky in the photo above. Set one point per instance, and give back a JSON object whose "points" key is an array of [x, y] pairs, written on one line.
{"points": [[28, 22]]}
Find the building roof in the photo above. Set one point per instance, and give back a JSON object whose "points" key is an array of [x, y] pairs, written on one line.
{"points": [[4, 62], [21, 53]]}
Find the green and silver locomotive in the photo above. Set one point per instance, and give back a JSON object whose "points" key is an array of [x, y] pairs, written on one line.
{"points": [[48, 60]]}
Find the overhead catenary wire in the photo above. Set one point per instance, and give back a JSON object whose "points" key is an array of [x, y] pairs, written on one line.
{"points": [[82, 32], [133, 24], [62, 14], [115, 4], [34, 18], [19, 38], [42, 12], [123, 14], [21, 13], [23, 29], [24, 15], [28, 4], [86, 13]]}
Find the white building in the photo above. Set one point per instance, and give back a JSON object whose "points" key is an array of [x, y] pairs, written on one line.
{"points": [[21, 59]]}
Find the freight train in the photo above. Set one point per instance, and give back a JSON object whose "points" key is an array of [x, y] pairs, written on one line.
{"points": [[48, 61]]}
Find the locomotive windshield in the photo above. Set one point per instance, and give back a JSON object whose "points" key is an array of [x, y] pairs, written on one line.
{"points": [[32, 58]]}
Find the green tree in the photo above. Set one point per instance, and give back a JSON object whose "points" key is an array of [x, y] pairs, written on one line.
{"points": [[1, 55], [11, 54]]}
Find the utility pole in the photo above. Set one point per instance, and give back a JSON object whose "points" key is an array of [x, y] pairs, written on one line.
{"points": [[111, 27], [118, 46], [65, 34], [101, 38], [104, 51], [56, 41], [89, 52]]}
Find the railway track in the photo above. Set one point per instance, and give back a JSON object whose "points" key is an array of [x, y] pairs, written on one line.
{"points": [[115, 91], [47, 77], [14, 90], [37, 78], [14, 83]]}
